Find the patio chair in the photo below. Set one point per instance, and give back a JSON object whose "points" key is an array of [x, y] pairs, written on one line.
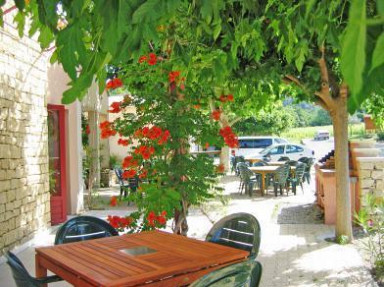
{"points": [[22, 277], [298, 177], [236, 160], [280, 179], [83, 228], [238, 230], [292, 162], [247, 273], [307, 172], [124, 185], [247, 179]]}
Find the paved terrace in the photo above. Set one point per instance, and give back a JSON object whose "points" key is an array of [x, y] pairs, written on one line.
{"points": [[294, 250]]}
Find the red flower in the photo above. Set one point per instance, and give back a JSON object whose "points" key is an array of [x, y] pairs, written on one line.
{"points": [[226, 98], [119, 222], [87, 130], [223, 98], [220, 168], [113, 201], [116, 107], [142, 59], [145, 151], [144, 173], [197, 107], [129, 161], [151, 218], [173, 76], [123, 142], [229, 137], [106, 130], [114, 83], [152, 59], [145, 131], [216, 115], [129, 173]]}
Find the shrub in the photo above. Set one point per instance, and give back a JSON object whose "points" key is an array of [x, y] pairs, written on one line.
{"points": [[371, 219]]}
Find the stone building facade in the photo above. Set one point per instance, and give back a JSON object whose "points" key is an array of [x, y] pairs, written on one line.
{"points": [[24, 181], [371, 177]]}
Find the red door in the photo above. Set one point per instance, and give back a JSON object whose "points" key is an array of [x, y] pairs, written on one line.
{"points": [[57, 165]]}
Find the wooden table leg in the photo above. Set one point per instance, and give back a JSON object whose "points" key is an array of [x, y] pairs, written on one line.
{"points": [[39, 269], [262, 183]]}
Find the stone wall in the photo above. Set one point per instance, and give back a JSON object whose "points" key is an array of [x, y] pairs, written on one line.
{"points": [[24, 184], [371, 176]]}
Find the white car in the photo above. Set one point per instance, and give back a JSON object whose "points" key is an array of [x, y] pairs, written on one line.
{"points": [[275, 152], [249, 145]]}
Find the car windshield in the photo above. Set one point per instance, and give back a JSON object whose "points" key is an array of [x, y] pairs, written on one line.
{"points": [[265, 151]]}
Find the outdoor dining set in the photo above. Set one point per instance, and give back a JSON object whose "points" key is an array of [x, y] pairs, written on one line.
{"points": [[283, 174], [90, 252]]}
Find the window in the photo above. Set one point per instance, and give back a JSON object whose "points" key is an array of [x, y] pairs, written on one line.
{"points": [[277, 150], [245, 143], [262, 143], [294, 148]]}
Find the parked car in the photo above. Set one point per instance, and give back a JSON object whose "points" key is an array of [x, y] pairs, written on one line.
{"points": [[249, 145], [321, 135], [292, 151]]}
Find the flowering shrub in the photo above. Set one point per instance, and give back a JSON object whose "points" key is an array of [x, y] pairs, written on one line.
{"points": [[169, 113], [130, 223], [371, 219]]}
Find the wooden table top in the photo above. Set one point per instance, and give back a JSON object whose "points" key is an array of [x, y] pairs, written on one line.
{"points": [[105, 261], [265, 168], [276, 162]]}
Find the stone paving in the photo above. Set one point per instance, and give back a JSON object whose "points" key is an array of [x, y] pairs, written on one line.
{"points": [[294, 250]]}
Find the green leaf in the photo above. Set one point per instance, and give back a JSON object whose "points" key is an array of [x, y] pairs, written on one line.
{"points": [[353, 46], [20, 20], [50, 14], [147, 11], [78, 89], [115, 18], [378, 53], [300, 58], [54, 57], [71, 48], [45, 37], [309, 5], [20, 4], [380, 7]]}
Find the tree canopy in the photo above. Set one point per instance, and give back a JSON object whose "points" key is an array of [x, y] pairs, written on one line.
{"points": [[263, 40]]}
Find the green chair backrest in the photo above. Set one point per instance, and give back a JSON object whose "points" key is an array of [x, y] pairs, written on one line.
{"points": [[299, 172], [245, 274], [282, 174], [239, 230]]}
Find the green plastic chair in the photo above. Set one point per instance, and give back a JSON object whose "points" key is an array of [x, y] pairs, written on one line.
{"points": [[298, 178], [239, 230], [280, 179], [244, 274], [21, 275], [248, 179], [83, 228]]}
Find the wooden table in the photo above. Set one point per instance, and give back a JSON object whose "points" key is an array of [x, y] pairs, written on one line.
{"points": [[153, 258], [278, 163], [263, 171]]}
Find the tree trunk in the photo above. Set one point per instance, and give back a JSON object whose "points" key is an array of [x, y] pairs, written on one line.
{"points": [[224, 157], [343, 195]]}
